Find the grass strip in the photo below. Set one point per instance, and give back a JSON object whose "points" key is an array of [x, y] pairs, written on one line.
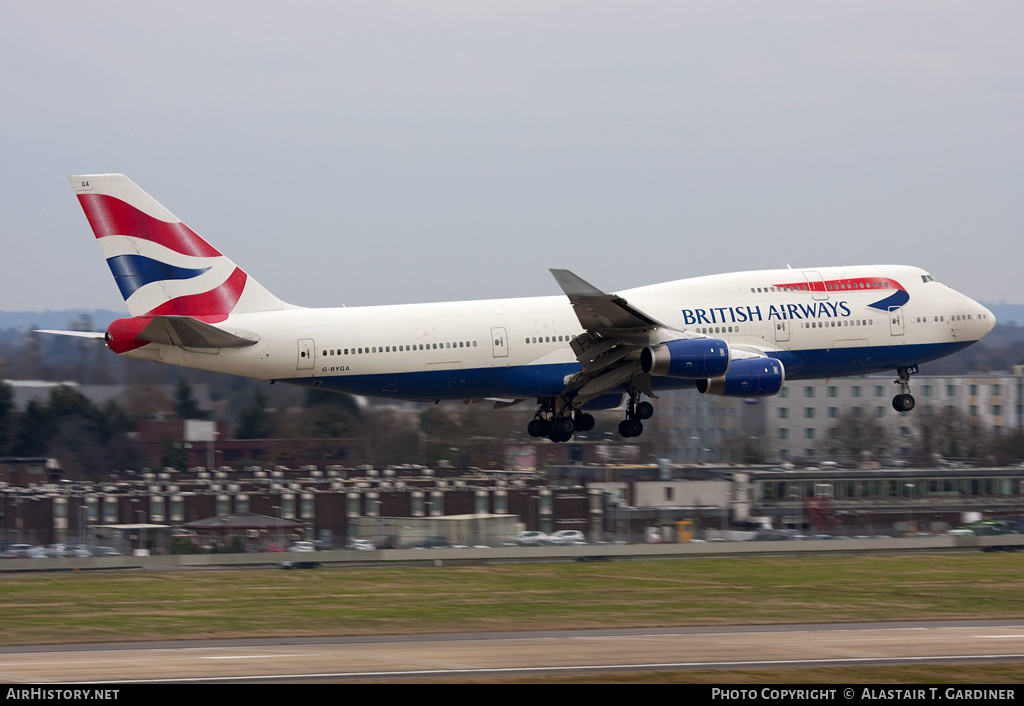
{"points": [[84, 607]]}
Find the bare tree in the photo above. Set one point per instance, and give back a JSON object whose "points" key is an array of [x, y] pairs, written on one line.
{"points": [[852, 435]]}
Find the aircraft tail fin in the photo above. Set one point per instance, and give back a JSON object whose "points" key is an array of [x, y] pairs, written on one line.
{"points": [[161, 266]]}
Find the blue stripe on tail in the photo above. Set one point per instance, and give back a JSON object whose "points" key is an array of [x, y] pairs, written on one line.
{"points": [[132, 272]]}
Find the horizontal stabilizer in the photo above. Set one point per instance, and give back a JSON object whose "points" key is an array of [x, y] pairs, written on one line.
{"points": [[80, 334], [187, 332]]}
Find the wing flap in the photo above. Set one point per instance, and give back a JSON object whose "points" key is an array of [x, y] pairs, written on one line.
{"points": [[607, 380]]}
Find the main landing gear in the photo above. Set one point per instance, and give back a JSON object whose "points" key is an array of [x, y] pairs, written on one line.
{"points": [[903, 402], [636, 412], [559, 423]]}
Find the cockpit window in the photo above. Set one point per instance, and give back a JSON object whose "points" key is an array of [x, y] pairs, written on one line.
{"points": [[928, 278]]}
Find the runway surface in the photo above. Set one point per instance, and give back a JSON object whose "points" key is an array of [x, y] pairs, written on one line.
{"points": [[487, 654]]}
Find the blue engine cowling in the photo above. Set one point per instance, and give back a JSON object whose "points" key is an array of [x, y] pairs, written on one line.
{"points": [[748, 377], [691, 358]]}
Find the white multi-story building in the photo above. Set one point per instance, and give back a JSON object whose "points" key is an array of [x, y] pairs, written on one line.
{"points": [[698, 428], [810, 419], [813, 420]]}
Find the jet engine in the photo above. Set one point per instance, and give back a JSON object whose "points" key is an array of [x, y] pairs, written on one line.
{"points": [[747, 377], [690, 358]]}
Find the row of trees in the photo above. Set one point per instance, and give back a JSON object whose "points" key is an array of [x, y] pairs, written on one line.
{"points": [[87, 438], [90, 439], [945, 432]]}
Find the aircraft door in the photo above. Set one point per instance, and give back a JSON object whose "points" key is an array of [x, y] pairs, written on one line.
{"points": [[818, 290], [499, 339], [306, 354], [896, 326], [782, 330]]}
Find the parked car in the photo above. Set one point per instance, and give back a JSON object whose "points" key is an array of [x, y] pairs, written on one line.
{"points": [[433, 543], [303, 547], [567, 537], [17, 551], [363, 545], [532, 539], [104, 551]]}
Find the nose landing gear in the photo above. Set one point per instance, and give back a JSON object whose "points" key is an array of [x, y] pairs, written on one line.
{"points": [[903, 402]]}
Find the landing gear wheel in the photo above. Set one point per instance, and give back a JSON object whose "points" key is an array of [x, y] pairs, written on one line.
{"points": [[903, 403], [563, 425], [561, 429], [539, 427], [629, 428], [644, 410], [584, 421]]}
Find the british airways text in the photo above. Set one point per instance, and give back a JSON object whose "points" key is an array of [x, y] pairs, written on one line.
{"points": [[739, 314]]}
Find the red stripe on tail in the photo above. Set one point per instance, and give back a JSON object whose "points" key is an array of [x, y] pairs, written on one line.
{"points": [[111, 216], [212, 307]]}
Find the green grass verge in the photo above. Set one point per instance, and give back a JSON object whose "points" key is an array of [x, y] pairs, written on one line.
{"points": [[84, 607]]}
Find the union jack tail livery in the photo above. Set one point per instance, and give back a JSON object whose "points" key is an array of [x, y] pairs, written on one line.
{"points": [[161, 266]]}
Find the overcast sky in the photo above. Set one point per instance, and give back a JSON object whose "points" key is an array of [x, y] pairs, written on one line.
{"points": [[387, 152]]}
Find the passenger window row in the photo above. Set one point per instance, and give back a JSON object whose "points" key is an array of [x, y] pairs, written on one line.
{"points": [[952, 317], [857, 285], [399, 349], [832, 286], [833, 323]]}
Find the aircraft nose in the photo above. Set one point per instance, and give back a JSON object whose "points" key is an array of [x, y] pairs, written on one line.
{"points": [[988, 317]]}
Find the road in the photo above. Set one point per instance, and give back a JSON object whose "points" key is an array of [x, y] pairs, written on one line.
{"points": [[483, 655]]}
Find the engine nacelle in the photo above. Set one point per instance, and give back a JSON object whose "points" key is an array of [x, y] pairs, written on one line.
{"points": [[747, 377], [690, 358]]}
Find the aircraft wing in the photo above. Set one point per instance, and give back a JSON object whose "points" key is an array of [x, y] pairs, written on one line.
{"points": [[616, 332], [598, 311]]}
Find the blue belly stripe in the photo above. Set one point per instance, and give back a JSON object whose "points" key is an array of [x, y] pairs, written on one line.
{"points": [[547, 380]]}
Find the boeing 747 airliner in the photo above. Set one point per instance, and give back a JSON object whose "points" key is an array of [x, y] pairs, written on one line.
{"points": [[741, 334]]}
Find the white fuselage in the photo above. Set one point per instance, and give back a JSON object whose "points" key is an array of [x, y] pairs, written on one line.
{"points": [[823, 322]]}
